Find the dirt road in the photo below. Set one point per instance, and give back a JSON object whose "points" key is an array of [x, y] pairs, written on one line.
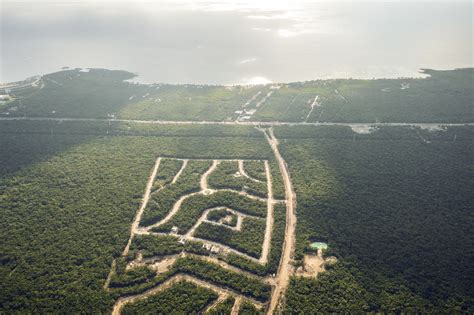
{"points": [[204, 177], [139, 213], [234, 123], [183, 166], [244, 173], [285, 268], [269, 226]]}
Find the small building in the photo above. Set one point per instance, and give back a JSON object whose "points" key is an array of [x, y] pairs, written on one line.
{"points": [[174, 230]]}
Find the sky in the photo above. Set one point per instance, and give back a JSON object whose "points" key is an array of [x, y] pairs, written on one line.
{"points": [[232, 42]]}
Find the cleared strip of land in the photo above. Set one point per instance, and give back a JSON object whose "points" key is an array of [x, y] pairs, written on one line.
{"points": [[238, 123]]}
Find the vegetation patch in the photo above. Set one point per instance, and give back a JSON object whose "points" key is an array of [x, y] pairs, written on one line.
{"points": [[245, 285], [255, 169], [249, 240], [248, 308], [224, 307], [182, 298], [223, 216], [227, 175], [168, 169]]}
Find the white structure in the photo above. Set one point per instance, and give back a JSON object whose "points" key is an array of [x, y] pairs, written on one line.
{"points": [[250, 111]]}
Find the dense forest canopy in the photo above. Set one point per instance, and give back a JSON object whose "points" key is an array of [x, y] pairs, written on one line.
{"points": [[396, 206]]}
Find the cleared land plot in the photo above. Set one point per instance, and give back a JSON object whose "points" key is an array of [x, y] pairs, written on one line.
{"points": [[188, 102]]}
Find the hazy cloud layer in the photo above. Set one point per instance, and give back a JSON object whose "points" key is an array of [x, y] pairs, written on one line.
{"points": [[232, 41]]}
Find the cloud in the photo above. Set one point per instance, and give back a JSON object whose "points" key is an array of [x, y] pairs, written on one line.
{"points": [[255, 81], [261, 29], [269, 17], [248, 60]]}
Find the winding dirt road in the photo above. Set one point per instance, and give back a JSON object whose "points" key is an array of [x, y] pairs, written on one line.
{"points": [[204, 177]]}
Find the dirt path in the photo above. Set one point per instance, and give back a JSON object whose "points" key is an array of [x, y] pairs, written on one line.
{"points": [[223, 247], [183, 166], [236, 307], [203, 218], [113, 267], [204, 177], [236, 123], [225, 265], [264, 99], [285, 268], [315, 103], [176, 207], [269, 226], [221, 298], [144, 202], [243, 193]]}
